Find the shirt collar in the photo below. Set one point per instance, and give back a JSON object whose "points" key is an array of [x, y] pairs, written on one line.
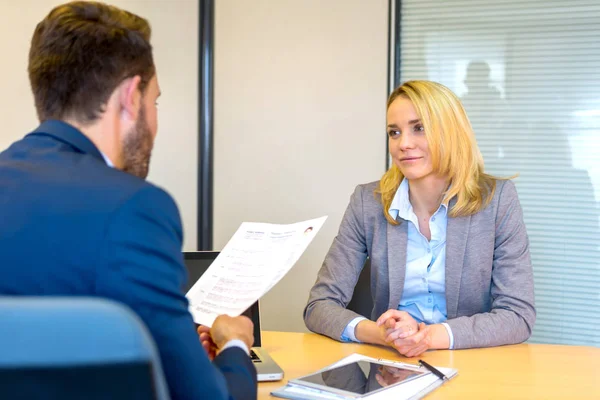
{"points": [[401, 207], [106, 159]]}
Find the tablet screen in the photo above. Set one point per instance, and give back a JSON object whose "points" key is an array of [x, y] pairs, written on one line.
{"points": [[353, 377]]}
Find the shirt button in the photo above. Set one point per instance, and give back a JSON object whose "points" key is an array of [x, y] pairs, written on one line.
{"points": [[433, 218], [429, 250], [429, 300]]}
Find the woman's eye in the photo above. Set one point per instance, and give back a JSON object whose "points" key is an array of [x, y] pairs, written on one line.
{"points": [[393, 133], [418, 128]]}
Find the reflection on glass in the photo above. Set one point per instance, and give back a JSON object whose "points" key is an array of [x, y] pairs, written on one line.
{"points": [[387, 375], [360, 377], [487, 110]]}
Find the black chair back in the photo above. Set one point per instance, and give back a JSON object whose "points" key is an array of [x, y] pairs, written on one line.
{"points": [[362, 301]]}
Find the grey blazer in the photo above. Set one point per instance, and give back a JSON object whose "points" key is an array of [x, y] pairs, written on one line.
{"points": [[489, 279]]}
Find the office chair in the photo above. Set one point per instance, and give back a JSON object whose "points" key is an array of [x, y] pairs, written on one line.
{"points": [[76, 348], [362, 301]]}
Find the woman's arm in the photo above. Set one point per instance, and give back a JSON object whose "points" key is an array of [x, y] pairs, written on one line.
{"points": [[512, 313], [326, 311]]}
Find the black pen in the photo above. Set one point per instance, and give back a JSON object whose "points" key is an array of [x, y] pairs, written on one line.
{"points": [[434, 370]]}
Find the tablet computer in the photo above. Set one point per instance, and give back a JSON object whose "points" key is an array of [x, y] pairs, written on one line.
{"points": [[352, 380]]}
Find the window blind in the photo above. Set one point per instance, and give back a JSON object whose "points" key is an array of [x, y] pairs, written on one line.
{"points": [[528, 73]]}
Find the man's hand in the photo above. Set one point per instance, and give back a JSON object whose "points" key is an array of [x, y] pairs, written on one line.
{"points": [[207, 342], [226, 328]]}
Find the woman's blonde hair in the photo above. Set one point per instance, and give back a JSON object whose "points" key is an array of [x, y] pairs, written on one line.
{"points": [[454, 151]]}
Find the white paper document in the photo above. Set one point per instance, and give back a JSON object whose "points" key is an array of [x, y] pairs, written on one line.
{"points": [[257, 256]]}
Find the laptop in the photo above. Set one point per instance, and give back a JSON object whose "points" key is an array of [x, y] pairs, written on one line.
{"points": [[197, 262]]}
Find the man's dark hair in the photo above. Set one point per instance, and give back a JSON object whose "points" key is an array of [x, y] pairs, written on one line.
{"points": [[80, 53]]}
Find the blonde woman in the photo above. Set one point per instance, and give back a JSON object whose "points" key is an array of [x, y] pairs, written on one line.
{"points": [[449, 253]]}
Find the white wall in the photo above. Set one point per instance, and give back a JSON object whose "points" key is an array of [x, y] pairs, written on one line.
{"points": [[300, 91], [175, 40]]}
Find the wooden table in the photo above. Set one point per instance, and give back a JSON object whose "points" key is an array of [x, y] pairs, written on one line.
{"points": [[523, 371]]}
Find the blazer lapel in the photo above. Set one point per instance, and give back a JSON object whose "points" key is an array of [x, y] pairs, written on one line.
{"points": [[457, 233], [397, 236]]}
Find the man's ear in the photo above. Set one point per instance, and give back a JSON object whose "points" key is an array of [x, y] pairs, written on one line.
{"points": [[130, 97]]}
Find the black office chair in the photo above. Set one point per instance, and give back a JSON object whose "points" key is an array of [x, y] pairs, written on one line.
{"points": [[362, 301]]}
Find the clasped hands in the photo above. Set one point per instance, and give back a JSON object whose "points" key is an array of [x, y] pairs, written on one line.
{"points": [[399, 330]]}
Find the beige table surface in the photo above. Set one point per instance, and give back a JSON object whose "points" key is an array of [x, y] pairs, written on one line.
{"points": [[523, 371]]}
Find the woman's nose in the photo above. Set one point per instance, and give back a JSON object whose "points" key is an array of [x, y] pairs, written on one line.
{"points": [[406, 141]]}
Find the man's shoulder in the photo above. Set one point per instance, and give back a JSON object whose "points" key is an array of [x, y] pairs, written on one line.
{"points": [[132, 194], [127, 186], [69, 180], [112, 187]]}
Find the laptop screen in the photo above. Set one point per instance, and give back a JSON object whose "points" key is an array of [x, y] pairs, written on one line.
{"points": [[196, 263]]}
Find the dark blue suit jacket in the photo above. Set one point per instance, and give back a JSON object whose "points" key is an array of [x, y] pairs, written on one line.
{"points": [[73, 226]]}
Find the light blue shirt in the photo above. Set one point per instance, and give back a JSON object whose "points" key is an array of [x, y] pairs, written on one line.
{"points": [[107, 160], [424, 293]]}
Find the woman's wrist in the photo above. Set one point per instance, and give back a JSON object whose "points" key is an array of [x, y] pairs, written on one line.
{"points": [[367, 331], [440, 339]]}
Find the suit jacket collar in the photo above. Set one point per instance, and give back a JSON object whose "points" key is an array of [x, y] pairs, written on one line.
{"points": [[457, 234], [68, 134], [397, 239]]}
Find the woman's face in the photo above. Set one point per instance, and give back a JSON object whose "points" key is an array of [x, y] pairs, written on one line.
{"points": [[407, 141]]}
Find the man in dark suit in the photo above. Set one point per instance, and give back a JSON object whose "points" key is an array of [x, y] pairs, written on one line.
{"points": [[78, 218]]}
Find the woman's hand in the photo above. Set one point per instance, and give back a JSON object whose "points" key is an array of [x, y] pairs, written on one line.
{"points": [[397, 325], [416, 344], [428, 337], [398, 329]]}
